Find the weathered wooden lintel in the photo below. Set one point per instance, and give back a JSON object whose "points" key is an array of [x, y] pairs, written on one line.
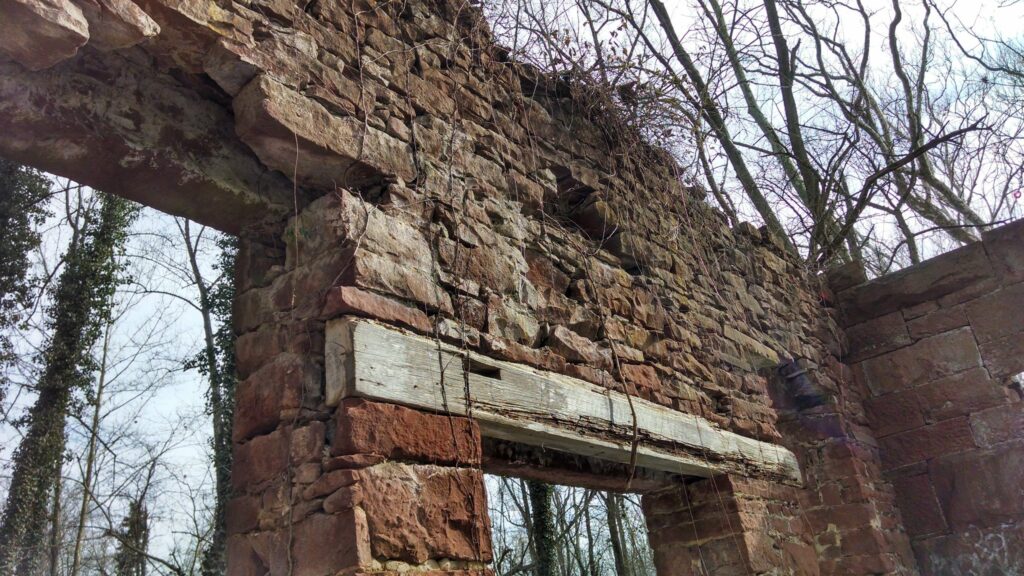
{"points": [[521, 404]]}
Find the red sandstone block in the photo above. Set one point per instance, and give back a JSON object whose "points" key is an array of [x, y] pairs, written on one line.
{"points": [[937, 322], [997, 425], [641, 378], [677, 560], [259, 460], [947, 274], [244, 559], [981, 488], [266, 458], [277, 387], [947, 437], [861, 565], [800, 557], [928, 359], [1004, 357], [343, 499], [242, 514], [257, 264], [544, 274], [515, 352], [254, 349], [1005, 247], [877, 336], [593, 375], [351, 300], [762, 552], [576, 348], [330, 482], [364, 427], [893, 413], [919, 310], [863, 541], [919, 507], [351, 461], [971, 292], [252, 309], [471, 311], [841, 517], [325, 544], [299, 293], [959, 395], [998, 315], [975, 551], [417, 512], [842, 460]]}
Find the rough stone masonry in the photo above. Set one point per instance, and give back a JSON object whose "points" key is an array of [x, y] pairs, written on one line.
{"points": [[387, 160]]}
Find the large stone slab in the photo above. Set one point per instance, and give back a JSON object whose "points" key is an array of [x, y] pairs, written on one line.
{"points": [[998, 315], [298, 136], [941, 276], [117, 24], [923, 444], [416, 513], [108, 120], [981, 488], [400, 433], [877, 336], [928, 359], [974, 551], [1005, 247], [40, 33], [919, 507], [1004, 357]]}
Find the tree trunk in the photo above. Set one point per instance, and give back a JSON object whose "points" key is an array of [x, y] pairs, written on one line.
{"points": [[81, 305], [90, 456], [543, 527], [615, 530], [216, 361], [591, 559], [55, 524]]}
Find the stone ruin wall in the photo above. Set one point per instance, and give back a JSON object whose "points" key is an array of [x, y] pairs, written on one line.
{"points": [[491, 210], [385, 160], [937, 347]]}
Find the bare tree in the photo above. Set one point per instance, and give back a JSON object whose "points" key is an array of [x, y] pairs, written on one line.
{"points": [[787, 108], [81, 303]]}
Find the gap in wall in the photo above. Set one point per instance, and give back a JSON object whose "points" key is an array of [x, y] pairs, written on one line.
{"points": [[597, 532]]}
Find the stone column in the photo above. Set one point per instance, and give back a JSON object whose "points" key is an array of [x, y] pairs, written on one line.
{"points": [[322, 490], [376, 487], [726, 526]]}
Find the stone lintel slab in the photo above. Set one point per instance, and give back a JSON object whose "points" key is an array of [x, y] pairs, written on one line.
{"points": [[941, 276], [112, 121], [40, 33]]}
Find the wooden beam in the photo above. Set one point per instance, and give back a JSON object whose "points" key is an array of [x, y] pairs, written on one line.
{"points": [[521, 404]]}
